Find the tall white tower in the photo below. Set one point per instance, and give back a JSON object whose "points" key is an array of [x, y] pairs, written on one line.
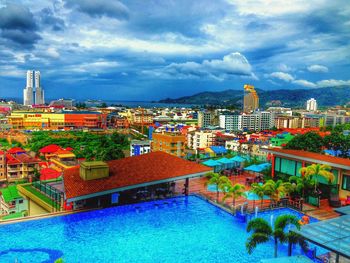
{"points": [[39, 92], [28, 90], [311, 105]]}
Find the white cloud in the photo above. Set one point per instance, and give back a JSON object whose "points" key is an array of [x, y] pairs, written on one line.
{"points": [[274, 7], [234, 64], [282, 76], [52, 52], [284, 68], [332, 83], [305, 83], [317, 68]]}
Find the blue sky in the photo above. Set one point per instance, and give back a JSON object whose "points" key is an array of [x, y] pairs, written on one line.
{"points": [[149, 50]]}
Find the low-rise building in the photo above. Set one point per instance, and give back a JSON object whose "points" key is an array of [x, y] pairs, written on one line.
{"points": [[169, 142], [289, 162], [19, 164], [200, 139], [138, 147], [11, 201]]}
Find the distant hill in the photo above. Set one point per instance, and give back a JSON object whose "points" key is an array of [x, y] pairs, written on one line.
{"points": [[330, 96]]}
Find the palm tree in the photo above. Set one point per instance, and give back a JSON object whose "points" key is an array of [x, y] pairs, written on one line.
{"points": [[218, 180], [316, 170], [277, 189], [262, 232], [234, 191], [301, 184], [260, 191]]}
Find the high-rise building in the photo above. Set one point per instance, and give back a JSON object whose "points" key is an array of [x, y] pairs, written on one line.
{"points": [[311, 105], [39, 92], [251, 99], [28, 92]]}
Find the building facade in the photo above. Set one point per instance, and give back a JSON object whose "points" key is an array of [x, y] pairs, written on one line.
{"points": [[311, 105], [206, 118], [200, 139], [251, 99], [169, 142], [138, 147], [42, 120]]}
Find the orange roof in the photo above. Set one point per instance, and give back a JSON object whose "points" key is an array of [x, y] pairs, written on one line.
{"points": [[312, 157], [130, 171]]}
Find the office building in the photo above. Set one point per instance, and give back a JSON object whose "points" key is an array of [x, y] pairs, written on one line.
{"points": [[311, 105], [251, 99]]}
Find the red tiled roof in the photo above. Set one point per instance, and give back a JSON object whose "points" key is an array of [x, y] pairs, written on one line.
{"points": [[130, 171], [69, 149], [11, 160], [50, 148], [15, 150], [26, 158], [298, 154], [48, 174]]}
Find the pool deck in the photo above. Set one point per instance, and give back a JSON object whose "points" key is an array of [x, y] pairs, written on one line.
{"points": [[197, 186]]}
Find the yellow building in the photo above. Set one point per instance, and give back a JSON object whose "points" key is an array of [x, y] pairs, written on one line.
{"points": [[172, 143], [251, 99], [35, 120]]}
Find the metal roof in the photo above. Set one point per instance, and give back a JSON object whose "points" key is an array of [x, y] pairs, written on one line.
{"points": [[332, 234]]}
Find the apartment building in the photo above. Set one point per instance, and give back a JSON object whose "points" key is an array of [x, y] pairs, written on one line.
{"points": [[169, 142], [200, 139]]}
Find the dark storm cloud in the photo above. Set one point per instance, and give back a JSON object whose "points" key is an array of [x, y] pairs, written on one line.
{"points": [[18, 26], [99, 8], [48, 18]]}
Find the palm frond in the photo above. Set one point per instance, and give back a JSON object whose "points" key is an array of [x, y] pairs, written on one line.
{"points": [[254, 240]]}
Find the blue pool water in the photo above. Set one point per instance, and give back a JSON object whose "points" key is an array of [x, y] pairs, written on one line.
{"points": [[175, 230], [253, 196]]}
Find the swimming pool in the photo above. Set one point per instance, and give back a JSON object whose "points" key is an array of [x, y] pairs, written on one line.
{"points": [[172, 230]]}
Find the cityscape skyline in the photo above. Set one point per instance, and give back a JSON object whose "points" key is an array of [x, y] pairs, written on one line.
{"points": [[172, 49]]}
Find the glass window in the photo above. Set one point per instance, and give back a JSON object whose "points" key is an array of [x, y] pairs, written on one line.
{"points": [[346, 182]]}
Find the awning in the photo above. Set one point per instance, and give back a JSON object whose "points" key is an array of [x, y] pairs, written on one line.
{"points": [[211, 163], [238, 159], [225, 161]]}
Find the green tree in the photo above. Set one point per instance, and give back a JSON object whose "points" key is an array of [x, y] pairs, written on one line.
{"points": [[262, 232], [302, 185], [218, 180], [310, 141], [318, 170], [234, 191], [277, 189], [259, 190], [338, 142]]}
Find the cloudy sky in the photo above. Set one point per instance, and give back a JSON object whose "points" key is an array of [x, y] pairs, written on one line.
{"points": [[153, 49]]}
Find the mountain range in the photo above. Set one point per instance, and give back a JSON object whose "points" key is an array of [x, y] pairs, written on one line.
{"points": [[330, 96]]}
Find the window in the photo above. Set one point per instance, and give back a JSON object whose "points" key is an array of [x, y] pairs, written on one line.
{"points": [[20, 201], [346, 182]]}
